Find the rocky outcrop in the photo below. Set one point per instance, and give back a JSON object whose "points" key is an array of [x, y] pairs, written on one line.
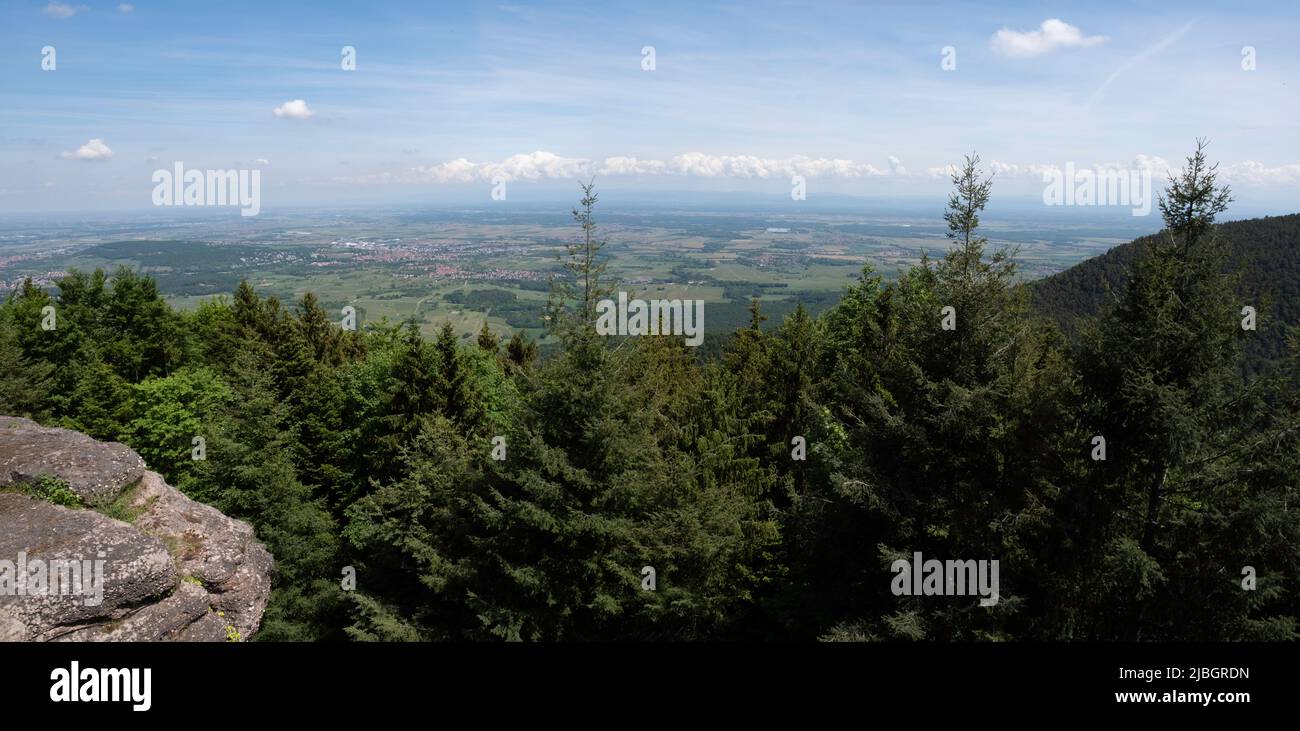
{"points": [[96, 471], [141, 562]]}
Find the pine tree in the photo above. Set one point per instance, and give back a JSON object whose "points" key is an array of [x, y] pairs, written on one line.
{"points": [[249, 475], [455, 384], [1181, 433], [571, 310], [413, 397], [486, 340], [323, 336], [521, 350], [24, 382]]}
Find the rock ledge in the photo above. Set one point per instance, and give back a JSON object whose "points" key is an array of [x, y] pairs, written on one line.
{"points": [[179, 571]]}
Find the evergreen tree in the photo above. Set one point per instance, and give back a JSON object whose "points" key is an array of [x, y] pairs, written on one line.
{"points": [[1181, 430], [521, 350], [413, 396], [457, 396], [24, 382], [323, 337], [486, 340]]}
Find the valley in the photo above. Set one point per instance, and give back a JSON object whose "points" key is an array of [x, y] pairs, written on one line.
{"points": [[467, 266]]}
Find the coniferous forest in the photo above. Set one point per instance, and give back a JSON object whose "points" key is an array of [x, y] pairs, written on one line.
{"points": [[1129, 473]]}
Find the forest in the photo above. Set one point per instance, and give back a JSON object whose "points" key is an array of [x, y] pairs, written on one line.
{"points": [[478, 491], [1265, 252]]}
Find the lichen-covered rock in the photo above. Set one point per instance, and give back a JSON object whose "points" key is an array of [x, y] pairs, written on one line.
{"points": [[219, 553], [180, 570], [96, 471], [136, 568]]}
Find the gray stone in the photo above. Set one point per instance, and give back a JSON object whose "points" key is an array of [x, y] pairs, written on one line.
{"points": [[180, 571], [96, 471]]}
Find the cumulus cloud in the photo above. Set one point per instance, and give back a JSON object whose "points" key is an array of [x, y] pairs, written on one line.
{"points": [[1157, 166], [93, 150], [1250, 172], [296, 109], [63, 10], [1154, 164], [631, 166], [541, 165], [699, 164], [532, 166], [1052, 34], [1247, 172], [536, 166], [1014, 170], [547, 165], [996, 168]]}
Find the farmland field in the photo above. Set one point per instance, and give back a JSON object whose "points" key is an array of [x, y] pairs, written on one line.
{"points": [[471, 266]]}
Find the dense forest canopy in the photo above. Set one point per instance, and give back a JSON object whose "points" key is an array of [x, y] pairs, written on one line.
{"points": [[1264, 252], [478, 491]]}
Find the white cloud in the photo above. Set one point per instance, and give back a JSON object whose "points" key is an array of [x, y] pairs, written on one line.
{"points": [[63, 10], [93, 150], [631, 166], [1013, 170], [532, 166], [296, 109], [547, 165], [1154, 164], [536, 166], [542, 165], [125, 8], [1157, 166], [702, 165], [1250, 172], [1050, 35], [261, 162]]}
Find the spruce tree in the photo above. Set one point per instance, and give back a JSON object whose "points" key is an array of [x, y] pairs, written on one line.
{"points": [[487, 340]]}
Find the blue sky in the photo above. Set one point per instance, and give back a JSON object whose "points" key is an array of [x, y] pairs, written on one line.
{"points": [[448, 96]]}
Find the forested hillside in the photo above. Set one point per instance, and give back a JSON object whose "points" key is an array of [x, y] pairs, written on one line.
{"points": [[1264, 252], [625, 489]]}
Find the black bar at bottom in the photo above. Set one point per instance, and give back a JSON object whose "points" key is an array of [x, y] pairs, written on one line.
{"points": [[925, 681]]}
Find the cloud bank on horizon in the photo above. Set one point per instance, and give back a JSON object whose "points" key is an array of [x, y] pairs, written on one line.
{"points": [[870, 100], [541, 165]]}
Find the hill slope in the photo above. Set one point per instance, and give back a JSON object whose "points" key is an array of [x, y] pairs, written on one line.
{"points": [[1266, 252]]}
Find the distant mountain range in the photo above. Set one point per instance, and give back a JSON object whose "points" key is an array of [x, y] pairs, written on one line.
{"points": [[1266, 252]]}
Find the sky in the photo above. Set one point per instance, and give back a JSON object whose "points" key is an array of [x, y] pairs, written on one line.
{"points": [[449, 99]]}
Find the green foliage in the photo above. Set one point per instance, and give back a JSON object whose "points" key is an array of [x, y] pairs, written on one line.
{"points": [[53, 490], [24, 381], [170, 413], [1264, 252]]}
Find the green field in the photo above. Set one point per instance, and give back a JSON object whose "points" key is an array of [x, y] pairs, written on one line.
{"points": [[467, 268]]}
